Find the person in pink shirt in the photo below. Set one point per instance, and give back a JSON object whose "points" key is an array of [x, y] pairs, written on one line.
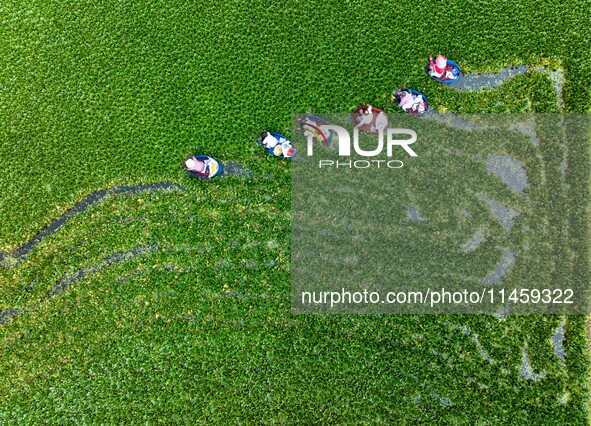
{"points": [[411, 103], [437, 67], [203, 166]]}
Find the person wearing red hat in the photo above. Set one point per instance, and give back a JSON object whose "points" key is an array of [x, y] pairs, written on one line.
{"points": [[437, 67]]}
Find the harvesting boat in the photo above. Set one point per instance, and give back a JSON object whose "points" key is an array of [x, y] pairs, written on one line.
{"points": [[443, 70], [370, 119], [277, 144], [311, 125], [203, 166], [412, 102]]}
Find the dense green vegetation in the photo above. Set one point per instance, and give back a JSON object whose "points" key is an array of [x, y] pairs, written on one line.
{"points": [[199, 329]]}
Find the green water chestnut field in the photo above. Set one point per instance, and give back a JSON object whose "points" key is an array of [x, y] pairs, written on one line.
{"points": [[172, 305]]}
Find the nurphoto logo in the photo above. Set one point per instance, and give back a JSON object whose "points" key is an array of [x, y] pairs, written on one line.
{"points": [[374, 125]]}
